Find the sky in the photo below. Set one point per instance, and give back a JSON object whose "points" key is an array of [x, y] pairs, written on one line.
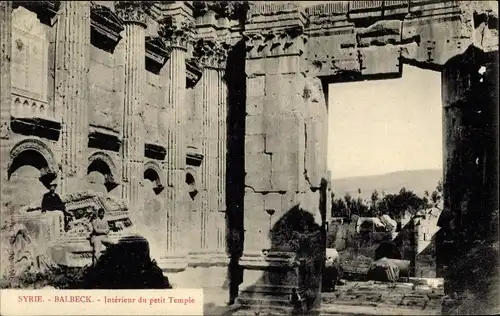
{"points": [[382, 126]]}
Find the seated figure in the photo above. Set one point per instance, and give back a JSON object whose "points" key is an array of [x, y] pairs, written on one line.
{"points": [[99, 234], [52, 202]]}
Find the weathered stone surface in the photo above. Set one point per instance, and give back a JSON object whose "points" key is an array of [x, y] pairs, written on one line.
{"points": [[105, 98]]}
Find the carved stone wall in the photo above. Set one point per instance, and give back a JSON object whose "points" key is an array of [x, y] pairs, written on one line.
{"points": [[144, 82]]}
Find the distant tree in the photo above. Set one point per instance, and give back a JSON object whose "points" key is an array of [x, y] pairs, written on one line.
{"points": [[437, 194], [394, 205], [375, 199]]}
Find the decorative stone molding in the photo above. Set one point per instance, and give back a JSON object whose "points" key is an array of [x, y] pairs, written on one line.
{"points": [[133, 11], [104, 138], [45, 10], [235, 10], [32, 117], [39, 147], [176, 32], [193, 159], [193, 72], [157, 53], [106, 27], [287, 41], [154, 151], [158, 178], [402, 31], [211, 53], [111, 177]]}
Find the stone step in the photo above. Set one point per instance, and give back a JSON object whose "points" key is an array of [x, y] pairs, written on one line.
{"points": [[263, 301], [263, 290]]}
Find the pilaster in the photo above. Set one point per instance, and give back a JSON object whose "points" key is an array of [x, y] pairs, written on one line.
{"points": [[212, 56], [177, 34], [72, 68]]}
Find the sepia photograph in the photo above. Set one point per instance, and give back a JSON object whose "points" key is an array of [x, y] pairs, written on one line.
{"points": [[255, 158]]}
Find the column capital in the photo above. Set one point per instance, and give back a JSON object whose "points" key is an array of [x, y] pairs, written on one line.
{"points": [[133, 11], [176, 32], [212, 53]]}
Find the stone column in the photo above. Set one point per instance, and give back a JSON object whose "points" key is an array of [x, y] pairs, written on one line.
{"points": [[177, 35], [72, 89], [5, 57], [214, 106], [134, 47]]}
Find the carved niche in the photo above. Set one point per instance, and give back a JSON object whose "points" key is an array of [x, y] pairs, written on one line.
{"points": [[104, 164], [153, 172], [49, 172], [30, 47], [106, 27]]}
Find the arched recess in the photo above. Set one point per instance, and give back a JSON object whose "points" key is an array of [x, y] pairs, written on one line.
{"points": [[102, 163], [191, 182], [154, 173], [31, 168], [33, 152]]}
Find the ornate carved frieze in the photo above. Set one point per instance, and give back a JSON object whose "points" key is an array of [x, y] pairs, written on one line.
{"points": [[211, 53], [104, 138], [176, 32], [235, 10], [106, 27], [45, 10], [287, 41], [380, 33], [157, 53], [133, 11], [352, 34], [193, 72]]}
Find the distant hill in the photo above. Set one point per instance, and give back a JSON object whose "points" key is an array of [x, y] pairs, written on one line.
{"points": [[416, 180]]}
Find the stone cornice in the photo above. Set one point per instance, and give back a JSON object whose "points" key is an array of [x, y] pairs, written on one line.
{"points": [[157, 53], [211, 53], [193, 72], [46, 10], [106, 27], [133, 11], [176, 32]]}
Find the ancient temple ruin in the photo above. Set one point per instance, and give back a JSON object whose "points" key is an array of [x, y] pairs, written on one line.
{"points": [[208, 120]]}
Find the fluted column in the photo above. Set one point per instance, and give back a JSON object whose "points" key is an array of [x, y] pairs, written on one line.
{"points": [[134, 20], [5, 57], [177, 35], [214, 103], [221, 159], [73, 63]]}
